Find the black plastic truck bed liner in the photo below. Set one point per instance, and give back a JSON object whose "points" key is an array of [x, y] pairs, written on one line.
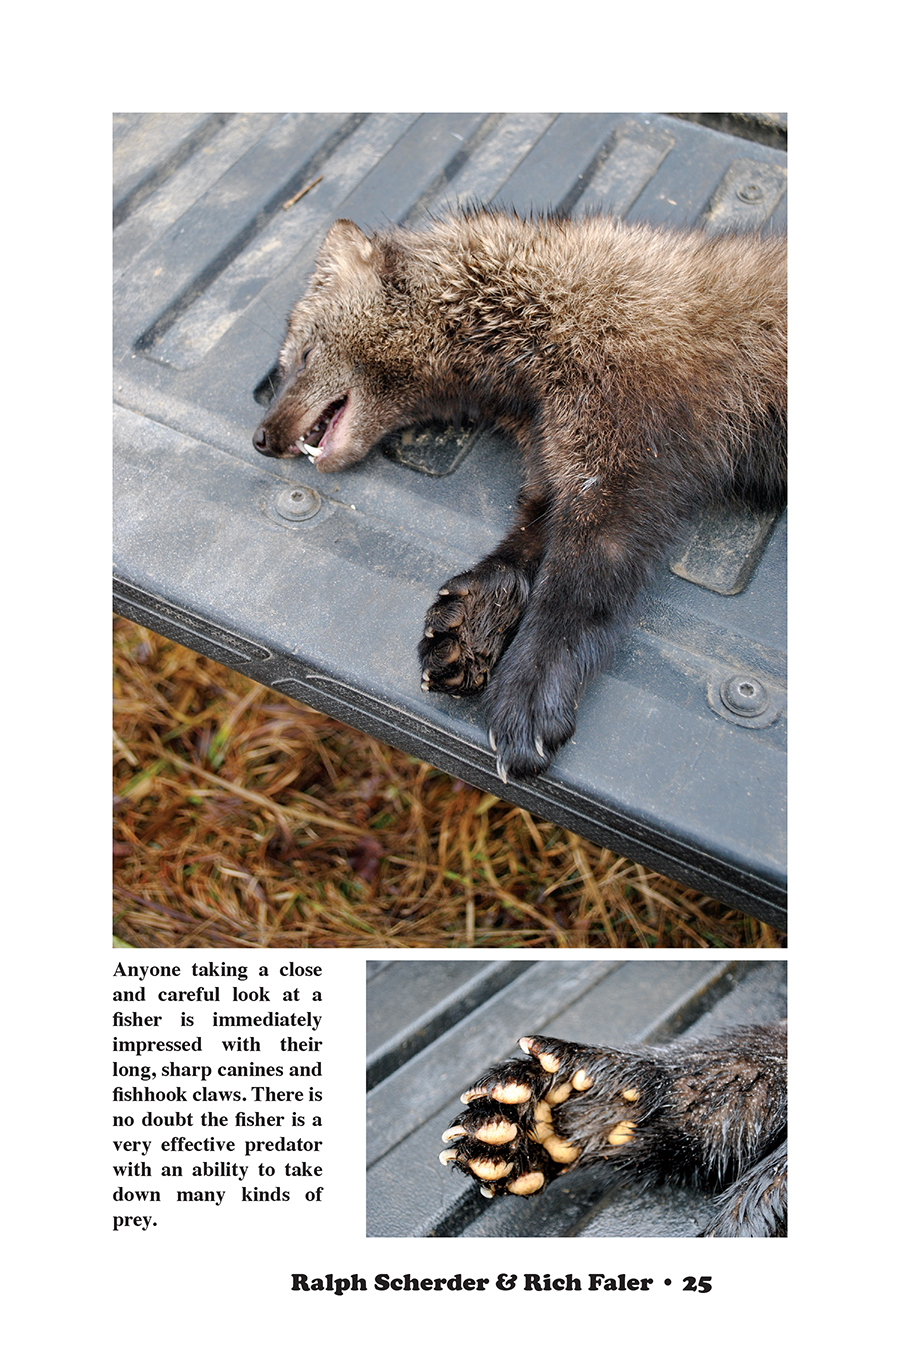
{"points": [[317, 586], [435, 1026]]}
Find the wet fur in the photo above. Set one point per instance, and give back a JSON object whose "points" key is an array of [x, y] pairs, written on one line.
{"points": [[642, 373], [710, 1112]]}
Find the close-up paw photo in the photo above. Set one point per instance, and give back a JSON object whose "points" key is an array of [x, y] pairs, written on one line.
{"points": [[671, 1120]]}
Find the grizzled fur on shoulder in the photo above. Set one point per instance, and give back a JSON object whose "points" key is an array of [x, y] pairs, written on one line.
{"points": [[642, 373], [711, 1112]]}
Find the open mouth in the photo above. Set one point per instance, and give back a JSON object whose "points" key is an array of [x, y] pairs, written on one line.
{"points": [[314, 443]]}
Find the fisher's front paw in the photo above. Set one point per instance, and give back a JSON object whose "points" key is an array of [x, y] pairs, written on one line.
{"points": [[468, 626], [512, 1135]]}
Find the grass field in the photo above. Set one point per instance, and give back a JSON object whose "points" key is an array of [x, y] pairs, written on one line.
{"points": [[243, 819]]}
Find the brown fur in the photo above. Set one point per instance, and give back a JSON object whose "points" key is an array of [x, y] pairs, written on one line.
{"points": [[642, 373]]}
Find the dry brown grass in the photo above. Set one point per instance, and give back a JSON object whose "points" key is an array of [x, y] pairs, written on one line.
{"points": [[245, 820]]}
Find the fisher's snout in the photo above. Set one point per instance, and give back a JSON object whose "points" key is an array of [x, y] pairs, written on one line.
{"points": [[261, 441]]}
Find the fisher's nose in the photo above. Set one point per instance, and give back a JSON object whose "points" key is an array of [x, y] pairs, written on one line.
{"points": [[260, 440]]}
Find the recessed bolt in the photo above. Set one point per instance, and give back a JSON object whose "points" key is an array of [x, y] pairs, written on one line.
{"points": [[745, 695], [750, 192], [297, 503]]}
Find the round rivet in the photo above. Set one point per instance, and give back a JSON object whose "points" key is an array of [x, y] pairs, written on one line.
{"points": [[750, 192], [297, 502], [745, 695]]}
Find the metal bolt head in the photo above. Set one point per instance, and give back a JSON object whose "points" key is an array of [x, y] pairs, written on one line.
{"points": [[745, 695], [297, 502], [750, 192]]}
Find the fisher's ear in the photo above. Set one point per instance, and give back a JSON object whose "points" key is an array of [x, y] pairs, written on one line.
{"points": [[345, 252]]}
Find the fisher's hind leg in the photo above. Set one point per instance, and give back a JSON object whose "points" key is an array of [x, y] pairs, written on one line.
{"points": [[756, 1204]]}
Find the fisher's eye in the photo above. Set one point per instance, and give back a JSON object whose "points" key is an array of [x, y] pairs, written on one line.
{"points": [[305, 356]]}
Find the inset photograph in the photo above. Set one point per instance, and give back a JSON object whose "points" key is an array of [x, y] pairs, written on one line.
{"points": [[644, 1098]]}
